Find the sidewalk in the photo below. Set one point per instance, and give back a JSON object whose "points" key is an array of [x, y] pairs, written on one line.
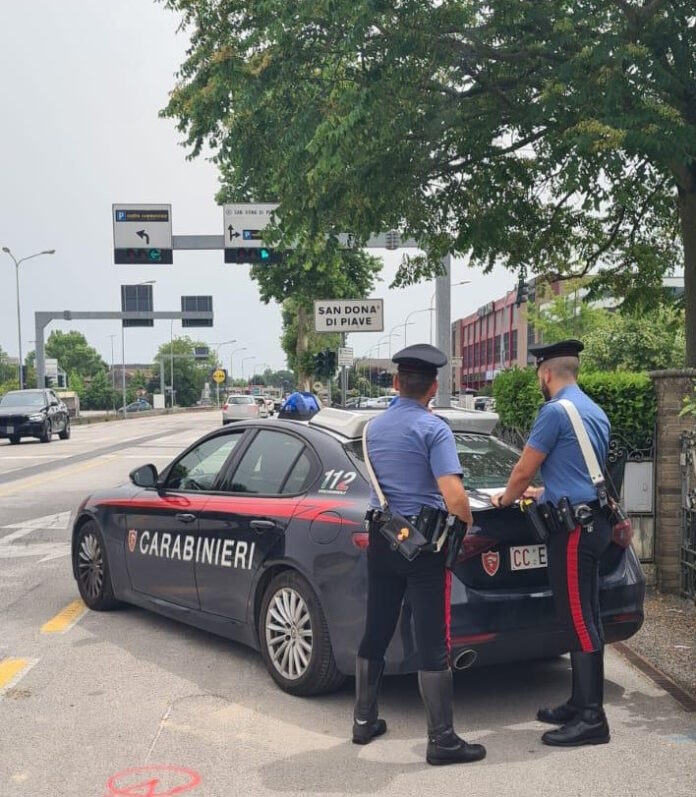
{"points": [[668, 638]]}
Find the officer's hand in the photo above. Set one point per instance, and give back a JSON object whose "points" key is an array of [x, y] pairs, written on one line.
{"points": [[496, 499], [533, 492]]}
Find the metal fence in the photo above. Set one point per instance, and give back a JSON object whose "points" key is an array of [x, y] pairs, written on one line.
{"points": [[688, 524]]}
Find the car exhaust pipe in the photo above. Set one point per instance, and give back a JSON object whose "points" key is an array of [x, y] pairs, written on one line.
{"points": [[465, 659]]}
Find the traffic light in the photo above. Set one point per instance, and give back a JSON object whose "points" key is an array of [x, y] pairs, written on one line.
{"points": [[522, 292], [253, 255], [325, 364], [159, 256]]}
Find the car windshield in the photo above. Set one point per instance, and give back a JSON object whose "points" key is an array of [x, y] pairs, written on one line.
{"points": [[240, 400], [26, 398], [485, 460]]}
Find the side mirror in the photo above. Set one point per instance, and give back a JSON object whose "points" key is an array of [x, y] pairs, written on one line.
{"points": [[144, 476]]}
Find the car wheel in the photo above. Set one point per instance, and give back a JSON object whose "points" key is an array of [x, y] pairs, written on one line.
{"points": [[92, 568], [65, 434], [294, 637], [14, 439], [47, 433]]}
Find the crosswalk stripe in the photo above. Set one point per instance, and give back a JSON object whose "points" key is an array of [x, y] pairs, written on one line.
{"points": [[65, 619], [12, 670]]}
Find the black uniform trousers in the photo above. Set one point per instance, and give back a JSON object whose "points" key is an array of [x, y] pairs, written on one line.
{"points": [[425, 581], [574, 576]]}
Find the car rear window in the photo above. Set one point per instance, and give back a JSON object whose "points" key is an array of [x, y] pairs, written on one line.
{"points": [[240, 400], [485, 460]]}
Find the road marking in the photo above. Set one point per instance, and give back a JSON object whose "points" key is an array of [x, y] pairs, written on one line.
{"points": [[21, 486], [48, 550], [13, 670], [35, 456], [60, 521], [65, 619]]}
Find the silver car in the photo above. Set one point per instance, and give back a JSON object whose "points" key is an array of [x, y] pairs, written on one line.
{"points": [[239, 408]]}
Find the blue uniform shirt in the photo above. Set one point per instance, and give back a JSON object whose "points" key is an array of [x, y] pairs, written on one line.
{"points": [[564, 472], [410, 448]]}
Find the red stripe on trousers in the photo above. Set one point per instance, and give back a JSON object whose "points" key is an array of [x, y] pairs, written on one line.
{"points": [[448, 608], [574, 591]]}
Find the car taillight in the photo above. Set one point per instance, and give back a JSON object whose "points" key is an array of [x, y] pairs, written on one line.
{"points": [[622, 533], [361, 539], [474, 544]]}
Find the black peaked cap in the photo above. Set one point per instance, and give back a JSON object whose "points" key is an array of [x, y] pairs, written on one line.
{"points": [[564, 348], [420, 358]]}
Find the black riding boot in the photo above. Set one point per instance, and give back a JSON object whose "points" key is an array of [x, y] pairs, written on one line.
{"points": [[444, 746], [568, 710], [589, 726], [366, 724]]}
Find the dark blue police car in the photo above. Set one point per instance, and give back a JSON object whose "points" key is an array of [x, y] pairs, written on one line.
{"points": [[256, 533]]}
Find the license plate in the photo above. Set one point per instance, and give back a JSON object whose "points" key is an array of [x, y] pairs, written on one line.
{"points": [[528, 557]]}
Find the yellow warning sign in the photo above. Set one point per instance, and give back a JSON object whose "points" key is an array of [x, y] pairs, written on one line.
{"points": [[219, 375]]}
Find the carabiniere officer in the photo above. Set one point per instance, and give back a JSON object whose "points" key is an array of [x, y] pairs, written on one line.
{"points": [[573, 555], [415, 459]]}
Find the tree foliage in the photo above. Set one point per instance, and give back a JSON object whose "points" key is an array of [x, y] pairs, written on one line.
{"points": [[566, 316], [74, 354], [190, 375], [559, 136]]}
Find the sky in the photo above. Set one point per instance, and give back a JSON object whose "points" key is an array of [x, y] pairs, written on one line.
{"points": [[81, 83]]}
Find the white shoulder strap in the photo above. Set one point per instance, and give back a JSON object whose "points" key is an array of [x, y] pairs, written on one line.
{"points": [[588, 452], [370, 470]]}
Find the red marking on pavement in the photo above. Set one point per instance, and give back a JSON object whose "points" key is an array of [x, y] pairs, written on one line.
{"points": [[146, 781]]}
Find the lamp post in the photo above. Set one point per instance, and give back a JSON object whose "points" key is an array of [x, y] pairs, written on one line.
{"points": [[244, 359], [232, 353], [432, 301], [413, 312], [218, 346], [19, 318], [398, 326], [381, 340]]}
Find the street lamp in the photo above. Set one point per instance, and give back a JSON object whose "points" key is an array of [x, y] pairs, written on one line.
{"points": [[432, 300], [244, 359], [413, 312], [19, 320], [380, 341], [232, 353], [398, 326]]}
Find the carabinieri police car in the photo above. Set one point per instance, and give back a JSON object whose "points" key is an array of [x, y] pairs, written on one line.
{"points": [[256, 532]]}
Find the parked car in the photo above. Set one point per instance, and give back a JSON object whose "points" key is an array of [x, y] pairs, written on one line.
{"points": [[256, 532], [33, 413], [239, 407], [357, 401], [139, 405], [380, 403]]}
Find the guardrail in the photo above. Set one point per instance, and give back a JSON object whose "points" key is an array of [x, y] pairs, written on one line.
{"points": [[118, 414]]}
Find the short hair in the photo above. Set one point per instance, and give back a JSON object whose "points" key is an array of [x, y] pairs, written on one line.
{"points": [[563, 367], [415, 384]]}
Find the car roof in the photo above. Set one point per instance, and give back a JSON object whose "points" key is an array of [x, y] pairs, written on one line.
{"points": [[350, 423]]}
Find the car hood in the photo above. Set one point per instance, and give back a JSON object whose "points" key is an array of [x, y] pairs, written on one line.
{"points": [[5, 411]]}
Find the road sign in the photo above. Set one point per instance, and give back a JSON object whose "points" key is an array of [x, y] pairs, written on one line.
{"points": [[201, 352], [136, 298], [142, 233], [196, 304], [243, 231], [456, 362], [345, 356], [219, 376], [349, 315]]}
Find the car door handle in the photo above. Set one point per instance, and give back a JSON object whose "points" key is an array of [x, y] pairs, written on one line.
{"points": [[262, 525], [185, 517]]}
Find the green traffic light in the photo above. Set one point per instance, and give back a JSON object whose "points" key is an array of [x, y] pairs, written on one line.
{"points": [[265, 254]]}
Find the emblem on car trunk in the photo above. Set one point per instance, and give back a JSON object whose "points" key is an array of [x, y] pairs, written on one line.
{"points": [[132, 539], [491, 562]]}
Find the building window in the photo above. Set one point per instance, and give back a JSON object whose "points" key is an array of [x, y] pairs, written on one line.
{"points": [[506, 347], [496, 349], [514, 344], [491, 356]]}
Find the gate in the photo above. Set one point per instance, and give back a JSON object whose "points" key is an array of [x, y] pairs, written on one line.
{"points": [[688, 522]]}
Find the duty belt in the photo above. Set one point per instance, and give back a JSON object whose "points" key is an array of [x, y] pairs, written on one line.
{"points": [[430, 521]]}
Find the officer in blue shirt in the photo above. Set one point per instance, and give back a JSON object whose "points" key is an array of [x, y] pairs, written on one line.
{"points": [[414, 456], [573, 555]]}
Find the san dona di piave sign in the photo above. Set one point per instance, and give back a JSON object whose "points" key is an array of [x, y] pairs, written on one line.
{"points": [[349, 315]]}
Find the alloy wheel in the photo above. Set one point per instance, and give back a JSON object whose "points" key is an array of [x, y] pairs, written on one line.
{"points": [[289, 634], [90, 565]]}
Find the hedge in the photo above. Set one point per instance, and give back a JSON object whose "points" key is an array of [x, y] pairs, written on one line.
{"points": [[627, 398]]}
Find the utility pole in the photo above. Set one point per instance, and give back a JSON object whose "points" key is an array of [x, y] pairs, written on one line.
{"points": [[171, 363], [443, 294]]}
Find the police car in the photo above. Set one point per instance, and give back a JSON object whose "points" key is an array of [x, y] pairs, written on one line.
{"points": [[256, 533]]}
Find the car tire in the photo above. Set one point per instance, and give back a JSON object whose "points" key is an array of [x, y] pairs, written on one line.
{"points": [[14, 439], [65, 434], [47, 435], [309, 667], [92, 567]]}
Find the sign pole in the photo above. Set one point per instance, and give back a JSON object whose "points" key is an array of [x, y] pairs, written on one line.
{"points": [[343, 374], [123, 367], [444, 332]]}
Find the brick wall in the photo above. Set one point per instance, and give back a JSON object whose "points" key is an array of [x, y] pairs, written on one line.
{"points": [[670, 387]]}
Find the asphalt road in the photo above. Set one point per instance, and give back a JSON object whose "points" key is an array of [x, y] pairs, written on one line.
{"points": [[87, 696]]}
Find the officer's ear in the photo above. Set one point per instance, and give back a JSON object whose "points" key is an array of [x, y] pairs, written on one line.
{"points": [[395, 382]]}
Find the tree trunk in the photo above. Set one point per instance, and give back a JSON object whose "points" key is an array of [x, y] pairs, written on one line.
{"points": [[687, 216], [304, 380]]}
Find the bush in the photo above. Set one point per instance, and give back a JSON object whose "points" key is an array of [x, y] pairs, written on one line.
{"points": [[627, 398]]}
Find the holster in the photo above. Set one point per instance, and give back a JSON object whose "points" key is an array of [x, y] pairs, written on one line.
{"points": [[538, 522]]}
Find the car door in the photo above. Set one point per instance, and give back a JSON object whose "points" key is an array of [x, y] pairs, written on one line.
{"points": [[162, 525], [59, 418], [245, 521]]}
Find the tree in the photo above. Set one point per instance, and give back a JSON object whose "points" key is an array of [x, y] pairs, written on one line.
{"points": [[556, 136], [99, 394], [74, 354], [565, 316], [7, 370], [190, 375]]}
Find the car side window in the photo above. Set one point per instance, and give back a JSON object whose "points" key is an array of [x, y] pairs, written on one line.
{"points": [[199, 469], [265, 464], [297, 481]]}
